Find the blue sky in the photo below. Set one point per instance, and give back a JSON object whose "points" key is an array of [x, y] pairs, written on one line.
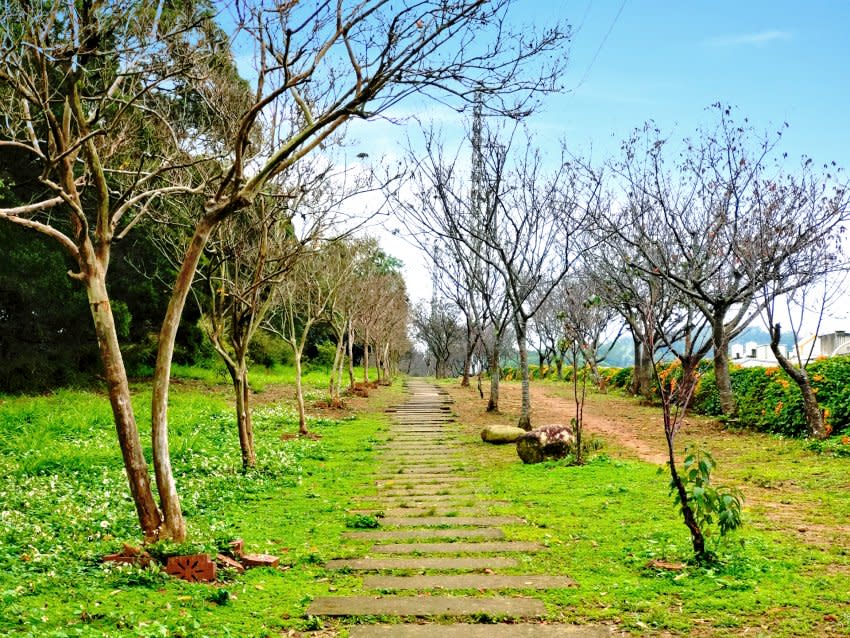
{"points": [[774, 61]]}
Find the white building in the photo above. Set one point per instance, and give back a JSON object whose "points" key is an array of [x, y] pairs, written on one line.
{"points": [[752, 355]]}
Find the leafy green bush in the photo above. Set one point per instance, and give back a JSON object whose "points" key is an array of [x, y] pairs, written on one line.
{"points": [[769, 401], [621, 377]]}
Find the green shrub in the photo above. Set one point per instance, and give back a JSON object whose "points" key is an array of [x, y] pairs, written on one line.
{"points": [[621, 378], [769, 401]]}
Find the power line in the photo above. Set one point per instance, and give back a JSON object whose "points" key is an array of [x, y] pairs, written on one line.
{"points": [[601, 45]]}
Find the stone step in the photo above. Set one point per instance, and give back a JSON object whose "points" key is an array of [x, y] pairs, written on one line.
{"points": [[424, 521], [428, 500], [456, 548], [425, 606], [463, 563], [432, 489], [468, 581], [421, 512], [466, 630], [413, 479], [428, 468], [436, 532]]}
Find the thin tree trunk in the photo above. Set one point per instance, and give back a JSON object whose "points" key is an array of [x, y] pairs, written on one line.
{"points": [[336, 373], [239, 376], [525, 410], [697, 539], [350, 355], [173, 526], [366, 358], [467, 358], [721, 368], [495, 377], [634, 386], [135, 464], [299, 394], [815, 423]]}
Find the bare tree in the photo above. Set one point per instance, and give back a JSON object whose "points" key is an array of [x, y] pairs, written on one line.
{"points": [[248, 256], [94, 98], [92, 81], [436, 324], [797, 253], [699, 219]]}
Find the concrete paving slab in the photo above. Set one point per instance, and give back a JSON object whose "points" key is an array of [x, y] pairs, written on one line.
{"points": [[483, 521], [456, 548], [468, 581], [479, 631], [464, 563], [424, 606], [420, 512], [436, 532], [385, 480]]}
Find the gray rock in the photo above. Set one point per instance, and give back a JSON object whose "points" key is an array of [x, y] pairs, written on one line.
{"points": [[501, 433], [547, 442]]}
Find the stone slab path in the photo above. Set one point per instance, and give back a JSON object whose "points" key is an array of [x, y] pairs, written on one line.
{"points": [[423, 494]]}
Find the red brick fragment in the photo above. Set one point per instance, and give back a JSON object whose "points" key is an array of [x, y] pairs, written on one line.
{"points": [[237, 547], [226, 561], [194, 568], [260, 560], [131, 556]]}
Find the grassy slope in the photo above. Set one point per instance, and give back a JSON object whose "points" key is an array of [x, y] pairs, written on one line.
{"points": [[65, 504], [605, 521]]}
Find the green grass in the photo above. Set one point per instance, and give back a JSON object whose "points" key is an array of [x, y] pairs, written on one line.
{"points": [[64, 503], [604, 522]]}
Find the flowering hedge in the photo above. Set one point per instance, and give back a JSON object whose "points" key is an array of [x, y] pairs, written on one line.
{"points": [[768, 400]]}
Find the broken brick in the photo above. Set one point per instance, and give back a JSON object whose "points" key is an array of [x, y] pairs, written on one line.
{"points": [[194, 568], [237, 547], [226, 561], [260, 560]]}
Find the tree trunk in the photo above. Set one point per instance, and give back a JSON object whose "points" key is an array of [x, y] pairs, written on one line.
{"points": [[122, 409], [336, 373], [467, 357], [495, 377], [634, 386], [299, 394], [525, 410], [173, 526], [721, 368], [815, 423], [350, 355], [559, 366], [697, 539], [366, 358], [642, 371], [239, 377]]}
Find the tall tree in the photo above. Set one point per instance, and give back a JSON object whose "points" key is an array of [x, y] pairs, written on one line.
{"points": [[698, 219], [798, 254], [90, 97], [97, 82]]}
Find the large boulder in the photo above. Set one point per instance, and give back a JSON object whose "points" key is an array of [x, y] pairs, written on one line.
{"points": [[501, 433], [547, 442]]}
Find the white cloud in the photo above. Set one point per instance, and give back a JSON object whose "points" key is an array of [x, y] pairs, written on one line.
{"points": [[760, 38]]}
